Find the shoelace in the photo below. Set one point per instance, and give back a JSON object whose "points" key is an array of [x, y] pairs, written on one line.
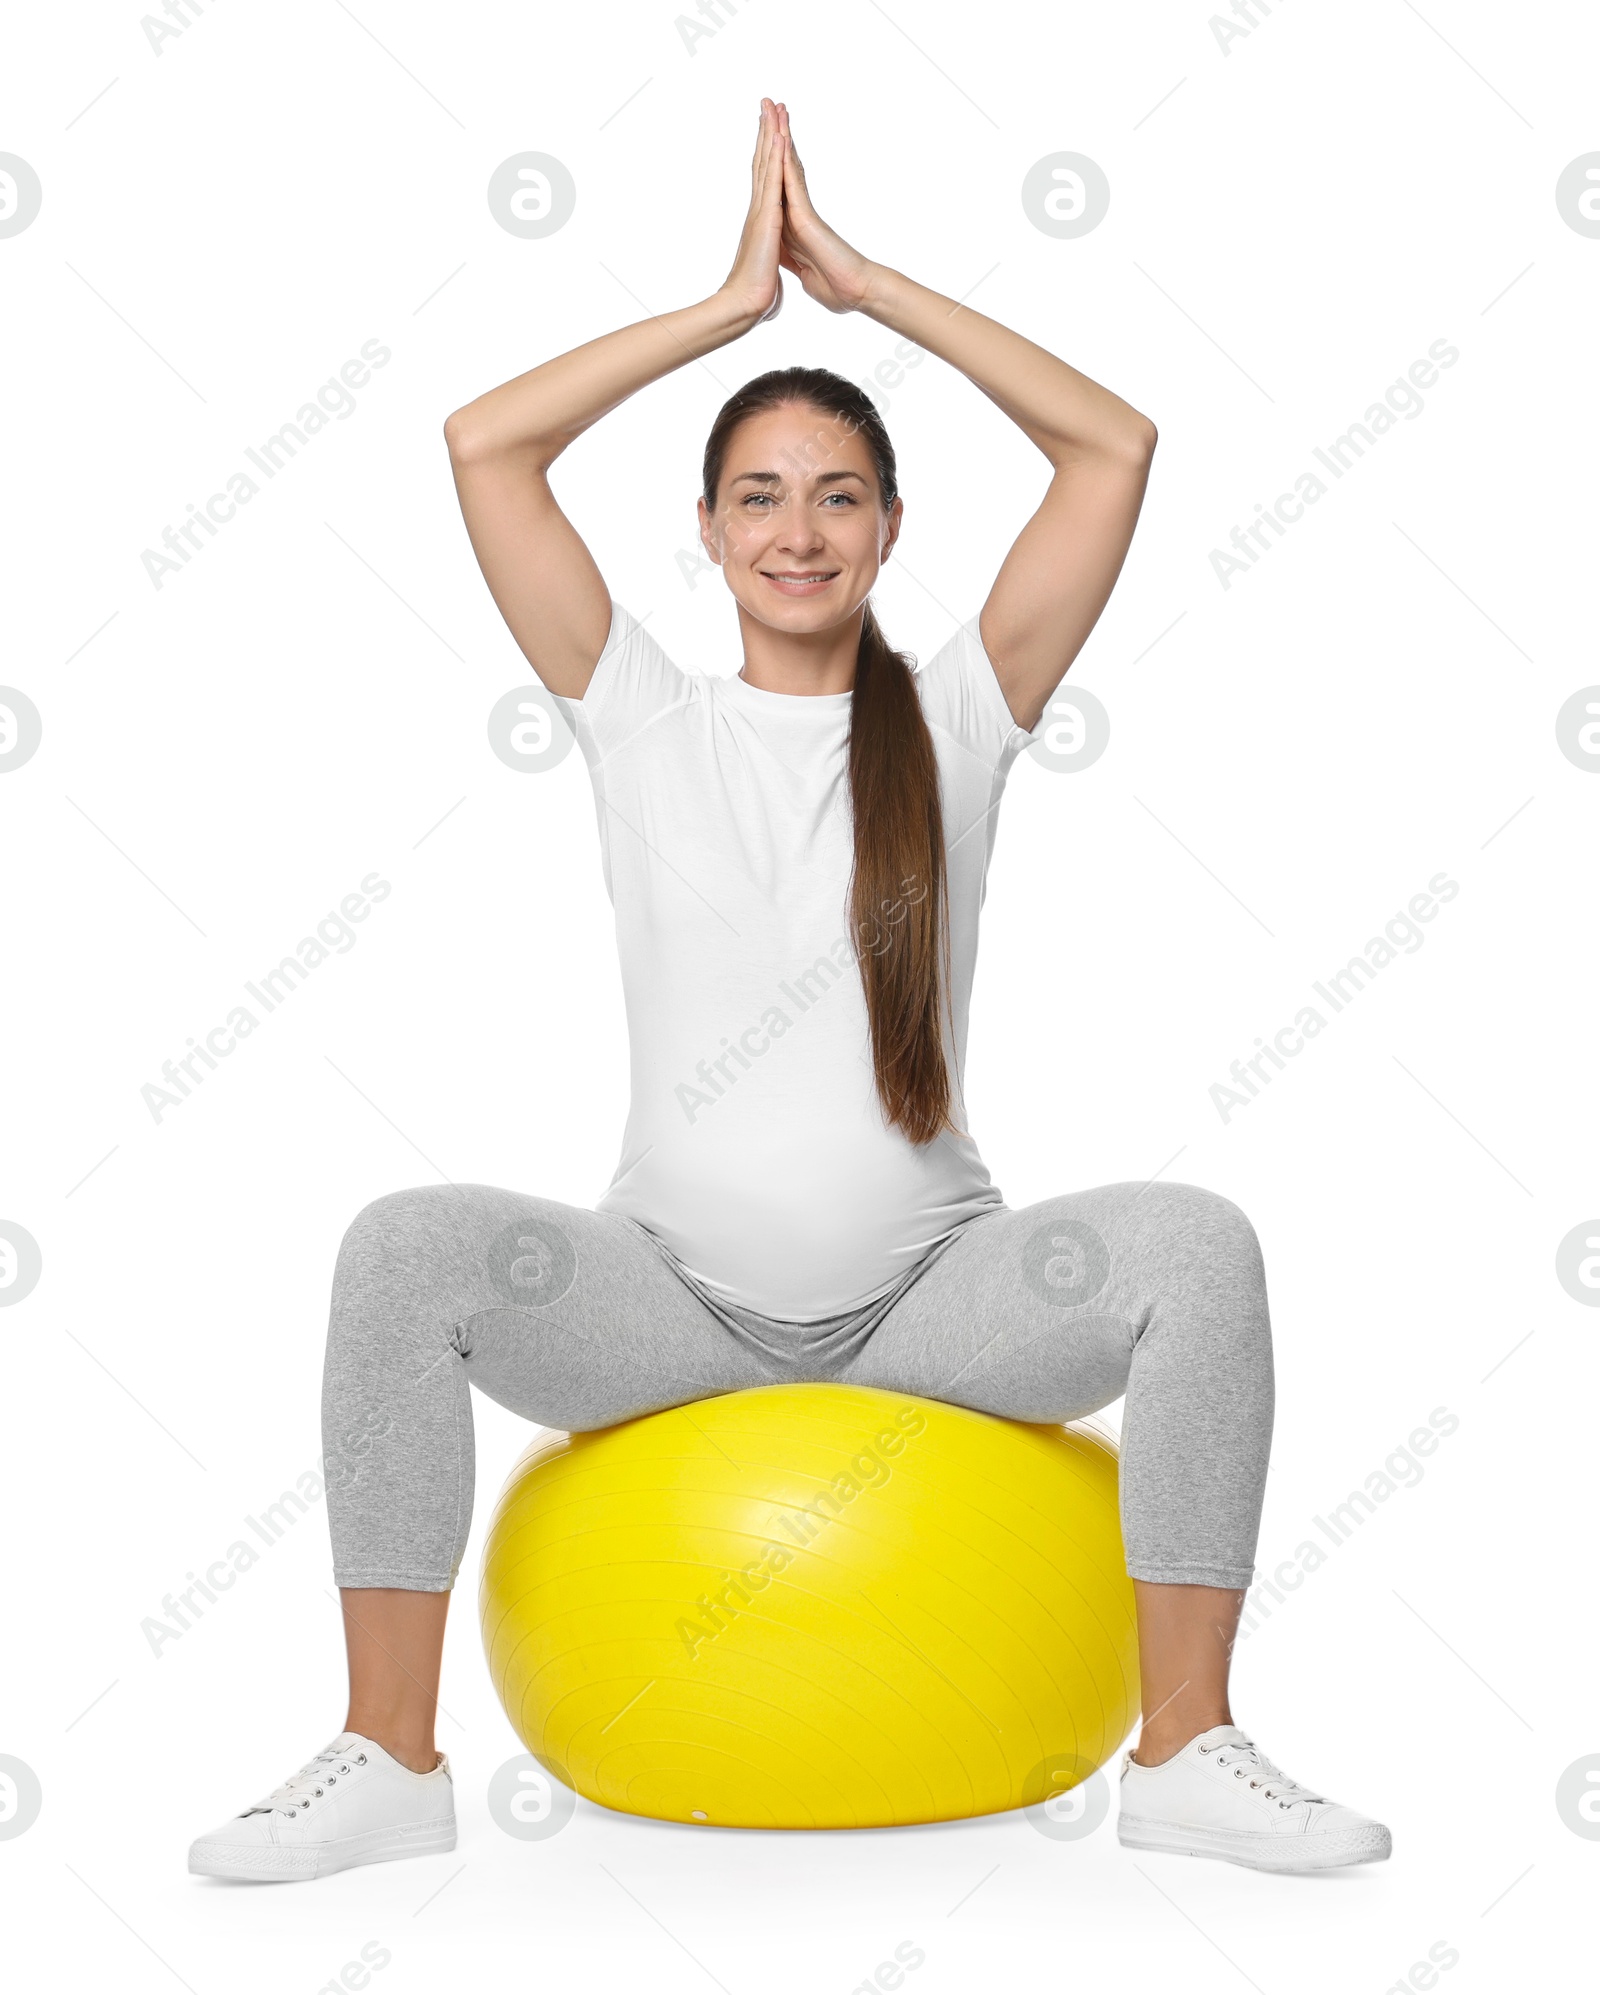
{"points": [[1274, 1783], [309, 1784]]}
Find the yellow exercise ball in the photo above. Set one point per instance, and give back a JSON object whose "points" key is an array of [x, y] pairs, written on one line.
{"points": [[813, 1607]]}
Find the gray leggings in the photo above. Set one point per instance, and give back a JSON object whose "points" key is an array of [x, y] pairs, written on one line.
{"points": [[578, 1319]]}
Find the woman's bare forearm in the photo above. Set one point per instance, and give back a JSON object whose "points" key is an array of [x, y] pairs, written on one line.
{"points": [[1064, 412], [537, 414]]}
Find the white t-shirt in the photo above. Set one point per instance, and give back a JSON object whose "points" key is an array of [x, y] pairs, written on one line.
{"points": [[755, 1149]]}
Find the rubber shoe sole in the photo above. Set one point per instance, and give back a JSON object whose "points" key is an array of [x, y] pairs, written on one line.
{"points": [[1333, 1851], [274, 1863]]}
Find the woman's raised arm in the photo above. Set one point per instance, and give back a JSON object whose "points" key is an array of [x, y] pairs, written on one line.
{"points": [[1060, 572], [543, 578]]}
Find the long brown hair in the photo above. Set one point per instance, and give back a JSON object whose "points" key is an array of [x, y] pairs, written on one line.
{"points": [[898, 899]]}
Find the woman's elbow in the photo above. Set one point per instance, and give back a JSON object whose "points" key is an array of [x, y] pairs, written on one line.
{"points": [[460, 435]]}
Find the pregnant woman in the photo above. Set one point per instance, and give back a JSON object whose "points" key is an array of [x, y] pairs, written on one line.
{"points": [[797, 857]]}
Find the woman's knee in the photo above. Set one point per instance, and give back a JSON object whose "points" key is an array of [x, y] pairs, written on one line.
{"points": [[385, 1234], [389, 1208], [1203, 1227], [1204, 1362], [1197, 1260], [389, 1333]]}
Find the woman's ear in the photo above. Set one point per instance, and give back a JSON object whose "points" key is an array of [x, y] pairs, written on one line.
{"points": [[708, 538], [891, 532]]}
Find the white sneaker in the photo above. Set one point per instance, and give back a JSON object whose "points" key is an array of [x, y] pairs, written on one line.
{"points": [[1221, 1796], [352, 1804]]}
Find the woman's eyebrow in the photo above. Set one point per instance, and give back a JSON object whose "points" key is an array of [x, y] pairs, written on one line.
{"points": [[772, 477]]}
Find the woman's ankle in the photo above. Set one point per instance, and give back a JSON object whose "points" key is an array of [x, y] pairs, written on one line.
{"points": [[1158, 1743], [412, 1748]]}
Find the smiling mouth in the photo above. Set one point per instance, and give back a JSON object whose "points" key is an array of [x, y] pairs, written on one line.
{"points": [[796, 578]]}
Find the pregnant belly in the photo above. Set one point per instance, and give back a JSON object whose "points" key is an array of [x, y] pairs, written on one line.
{"points": [[802, 1221]]}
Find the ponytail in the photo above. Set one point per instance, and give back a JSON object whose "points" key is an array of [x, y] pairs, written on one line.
{"points": [[899, 903]]}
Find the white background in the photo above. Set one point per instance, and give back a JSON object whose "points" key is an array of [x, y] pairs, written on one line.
{"points": [[1292, 224]]}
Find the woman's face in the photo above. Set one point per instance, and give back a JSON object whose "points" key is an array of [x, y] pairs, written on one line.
{"points": [[800, 530]]}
